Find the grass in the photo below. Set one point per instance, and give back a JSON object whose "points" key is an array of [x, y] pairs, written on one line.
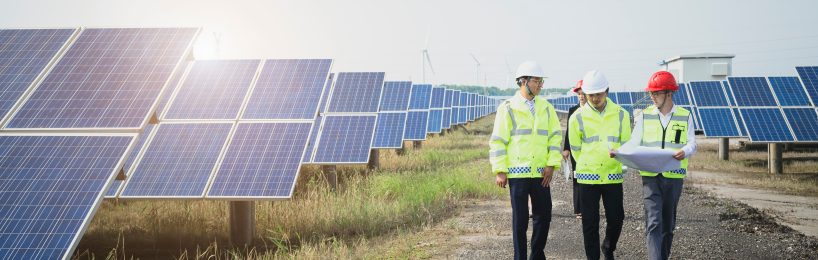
{"points": [[406, 193], [750, 168]]}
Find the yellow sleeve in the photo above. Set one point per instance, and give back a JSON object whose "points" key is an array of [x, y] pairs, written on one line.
{"points": [[498, 142], [626, 128], [574, 135], [554, 139]]}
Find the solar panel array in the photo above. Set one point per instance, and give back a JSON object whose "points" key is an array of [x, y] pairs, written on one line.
{"points": [[713, 108], [391, 123], [73, 102]]}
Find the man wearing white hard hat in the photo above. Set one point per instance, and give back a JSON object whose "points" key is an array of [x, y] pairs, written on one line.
{"points": [[524, 151], [595, 130]]}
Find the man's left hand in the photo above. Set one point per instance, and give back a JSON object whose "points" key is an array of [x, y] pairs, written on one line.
{"points": [[679, 155], [546, 176]]}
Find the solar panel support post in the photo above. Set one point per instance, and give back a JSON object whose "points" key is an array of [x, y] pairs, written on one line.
{"points": [[374, 161], [332, 176], [417, 144], [776, 162], [242, 223], [724, 149]]}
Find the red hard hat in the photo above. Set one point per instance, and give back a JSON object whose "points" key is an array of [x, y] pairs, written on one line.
{"points": [[662, 80], [577, 87]]}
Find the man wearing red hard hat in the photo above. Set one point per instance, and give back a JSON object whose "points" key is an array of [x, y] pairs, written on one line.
{"points": [[666, 126], [566, 149]]}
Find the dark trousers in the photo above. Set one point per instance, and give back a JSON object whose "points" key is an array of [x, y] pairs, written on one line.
{"points": [[661, 198], [521, 189], [614, 213], [576, 196]]}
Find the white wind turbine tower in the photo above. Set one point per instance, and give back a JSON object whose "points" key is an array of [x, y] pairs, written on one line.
{"points": [[425, 59], [477, 74]]}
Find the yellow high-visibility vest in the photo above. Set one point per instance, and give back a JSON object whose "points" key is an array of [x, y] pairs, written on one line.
{"points": [[674, 137], [592, 135], [522, 144]]}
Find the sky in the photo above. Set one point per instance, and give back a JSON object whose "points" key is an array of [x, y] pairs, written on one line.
{"points": [[624, 39]]}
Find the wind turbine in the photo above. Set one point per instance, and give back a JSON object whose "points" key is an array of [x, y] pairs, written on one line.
{"points": [[424, 53], [477, 74]]}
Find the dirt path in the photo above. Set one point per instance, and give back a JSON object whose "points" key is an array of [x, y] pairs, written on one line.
{"points": [[708, 228], [798, 212]]}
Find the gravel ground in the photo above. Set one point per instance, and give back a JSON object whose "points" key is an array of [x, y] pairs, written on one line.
{"points": [[707, 228]]}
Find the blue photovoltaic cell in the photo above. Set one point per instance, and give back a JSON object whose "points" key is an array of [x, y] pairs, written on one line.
{"points": [[681, 97], [438, 94], [613, 97], [179, 161], [213, 89], [637, 97], [764, 124], [262, 161], [50, 186], [24, 54], [741, 128], [624, 98], [447, 98], [345, 139], [456, 98], [447, 117], [751, 91], [789, 91], [708, 94], [435, 121], [804, 123], [325, 96], [313, 138], [288, 89], [140, 142], [173, 84], [696, 120], [389, 130], [396, 95], [416, 123], [356, 92], [421, 96], [718, 122], [809, 76], [109, 78], [730, 99], [463, 115]]}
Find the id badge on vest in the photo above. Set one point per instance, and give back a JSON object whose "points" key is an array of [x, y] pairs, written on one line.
{"points": [[678, 131]]}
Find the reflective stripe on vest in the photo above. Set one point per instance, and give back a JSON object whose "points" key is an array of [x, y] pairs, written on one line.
{"points": [[658, 136]]}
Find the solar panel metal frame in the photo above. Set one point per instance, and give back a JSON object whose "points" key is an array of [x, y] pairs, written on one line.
{"points": [[72, 245], [323, 124], [732, 120], [425, 123], [152, 108], [377, 102], [696, 101], [811, 86], [148, 134], [793, 129], [329, 83], [402, 130], [5, 117], [769, 88], [784, 121], [437, 127], [137, 162], [778, 96], [383, 100]]}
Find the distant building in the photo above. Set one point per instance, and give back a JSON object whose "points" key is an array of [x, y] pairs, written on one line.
{"points": [[698, 67]]}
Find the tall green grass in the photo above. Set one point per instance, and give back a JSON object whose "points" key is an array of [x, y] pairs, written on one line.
{"points": [[406, 192]]}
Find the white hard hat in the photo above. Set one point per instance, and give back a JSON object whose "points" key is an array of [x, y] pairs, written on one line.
{"points": [[594, 82], [531, 69]]}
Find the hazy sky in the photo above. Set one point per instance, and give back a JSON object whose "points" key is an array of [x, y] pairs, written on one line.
{"points": [[624, 39]]}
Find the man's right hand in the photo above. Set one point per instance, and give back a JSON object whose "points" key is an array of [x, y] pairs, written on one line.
{"points": [[565, 154], [501, 180]]}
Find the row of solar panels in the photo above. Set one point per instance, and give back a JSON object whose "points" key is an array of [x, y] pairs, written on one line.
{"points": [[764, 109], [75, 106]]}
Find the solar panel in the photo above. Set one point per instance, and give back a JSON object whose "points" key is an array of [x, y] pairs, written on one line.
{"points": [[697, 123], [764, 124], [213, 89], [435, 121], [613, 97], [447, 117], [438, 94], [447, 98], [178, 162], [129, 161], [708, 94], [624, 98], [681, 97], [421, 96], [345, 139], [262, 161], [804, 123], [742, 129], [730, 99], [325, 96], [396, 95], [389, 130], [751, 91], [356, 92], [809, 76], [287, 88], [718, 122], [50, 187], [173, 84], [416, 122], [463, 115], [24, 55], [108, 78], [789, 91]]}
